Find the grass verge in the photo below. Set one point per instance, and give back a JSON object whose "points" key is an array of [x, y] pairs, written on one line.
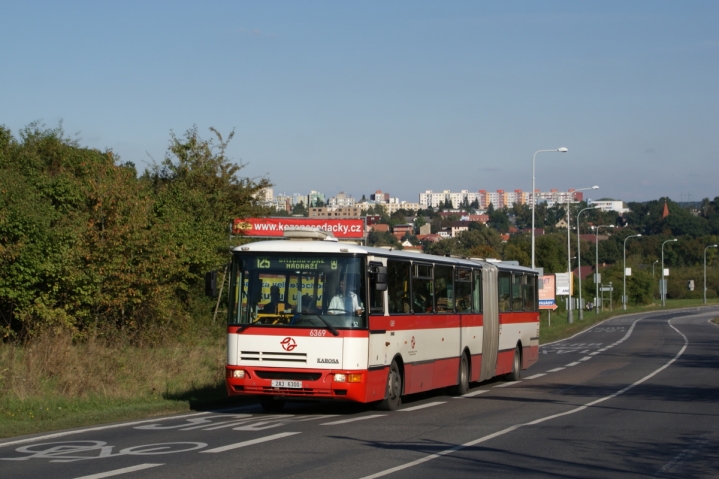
{"points": [[53, 384]]}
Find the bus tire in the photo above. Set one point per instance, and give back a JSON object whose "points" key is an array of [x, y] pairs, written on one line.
{"points": [[393, 391], [463, 378], [271, 405], [516, 373]]}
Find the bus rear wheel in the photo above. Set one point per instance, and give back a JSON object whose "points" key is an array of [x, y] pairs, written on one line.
{"points": [[463, 386], [393, 392], [516, 373]]}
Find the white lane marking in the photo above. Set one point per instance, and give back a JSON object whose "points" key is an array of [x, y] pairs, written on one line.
{"points": [[238, 445], [507, 384], [345, 421], [595, 353], [422, 406], [475, 393], [555, 370], [586, 358], [117, 472], [536, 376], [572, 364], [535, 422], [99, 428]]}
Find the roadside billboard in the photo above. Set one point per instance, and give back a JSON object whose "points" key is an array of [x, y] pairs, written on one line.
{"points": [[564, 284], [347, 228], [547, 299]]}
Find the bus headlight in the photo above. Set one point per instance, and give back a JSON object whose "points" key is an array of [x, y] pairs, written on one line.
{"points": [[238, 373], [340, 378]]}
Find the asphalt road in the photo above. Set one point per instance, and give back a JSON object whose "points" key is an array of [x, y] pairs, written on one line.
{"points": [[636, 396]]}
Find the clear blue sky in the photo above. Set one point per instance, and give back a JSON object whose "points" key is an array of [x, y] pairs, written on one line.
{"points": [[398, 96]]}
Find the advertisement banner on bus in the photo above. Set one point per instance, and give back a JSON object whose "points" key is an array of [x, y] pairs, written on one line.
{"points": [[347, 228], [547, 299]]}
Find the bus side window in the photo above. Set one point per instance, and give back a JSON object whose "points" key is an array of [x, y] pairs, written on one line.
{"points": [[477, 292], [529, 285], [422, 293], [517, 292], [398, 287], [444, 289], [504, 287], [463, 288]]}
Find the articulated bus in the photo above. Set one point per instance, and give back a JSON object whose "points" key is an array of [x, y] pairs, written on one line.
{"points": [[321, 319]]}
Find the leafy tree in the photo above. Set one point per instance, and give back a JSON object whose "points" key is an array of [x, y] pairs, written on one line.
{"points": [[299, 209], [382, 238], [499, 220]]}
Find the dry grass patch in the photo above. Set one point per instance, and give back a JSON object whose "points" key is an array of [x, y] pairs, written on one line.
{"points": [[52, 382]]}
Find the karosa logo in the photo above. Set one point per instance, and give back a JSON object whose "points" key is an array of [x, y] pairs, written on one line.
{"points": [[288, 344]]}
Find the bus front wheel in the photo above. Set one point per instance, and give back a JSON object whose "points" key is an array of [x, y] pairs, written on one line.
{"points": [[393, 392]]}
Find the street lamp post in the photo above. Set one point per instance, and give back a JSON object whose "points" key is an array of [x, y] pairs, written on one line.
{"points": [[655, 262], [534, 200], [705, 270], [596, 267], [579, 260], [624, 291], [570, 316], [664, 286]]}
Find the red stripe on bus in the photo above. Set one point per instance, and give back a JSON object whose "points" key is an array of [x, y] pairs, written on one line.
{"points": [[513, 318]]}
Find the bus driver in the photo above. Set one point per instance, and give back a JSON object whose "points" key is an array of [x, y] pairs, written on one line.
{"points": [[345, 302]]}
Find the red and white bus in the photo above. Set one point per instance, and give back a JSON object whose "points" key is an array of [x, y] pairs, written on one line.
{"points": [[409, 322]]}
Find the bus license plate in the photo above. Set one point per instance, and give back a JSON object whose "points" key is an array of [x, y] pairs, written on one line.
{"points": [[277, 383]]}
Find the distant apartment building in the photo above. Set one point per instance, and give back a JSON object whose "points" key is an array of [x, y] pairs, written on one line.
{"points": [[501, 198], [315, 198], [379, 197], [430, 199], [265, 195], [335, 212], [498, 199], [552, 197], [282, 202], [610, 205], [341, 200], [392, 207]]}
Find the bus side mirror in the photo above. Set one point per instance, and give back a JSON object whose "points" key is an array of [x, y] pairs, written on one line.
{"points": [[211, 284], [378, 276]]}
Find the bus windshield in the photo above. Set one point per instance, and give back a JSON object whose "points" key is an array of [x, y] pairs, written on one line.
{"points": [[265, 288]]}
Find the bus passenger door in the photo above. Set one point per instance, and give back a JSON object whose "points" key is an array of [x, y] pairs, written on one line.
{"points": [[377, 347]]}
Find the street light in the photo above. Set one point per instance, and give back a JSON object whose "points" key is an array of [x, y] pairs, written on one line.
{"points": [[664, 286], [655, 262], [705, 270], [579, 260], [596, 267], [534, 200], [624, 292], [570, 317]]}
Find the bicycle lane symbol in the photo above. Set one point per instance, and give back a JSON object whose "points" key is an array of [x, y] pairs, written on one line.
{"points": [[71, 451]]}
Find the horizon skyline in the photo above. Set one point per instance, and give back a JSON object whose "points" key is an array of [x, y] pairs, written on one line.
{"points": [[403, 95]]}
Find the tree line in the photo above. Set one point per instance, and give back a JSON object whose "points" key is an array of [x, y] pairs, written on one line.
{"points": [[90, 246]]}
